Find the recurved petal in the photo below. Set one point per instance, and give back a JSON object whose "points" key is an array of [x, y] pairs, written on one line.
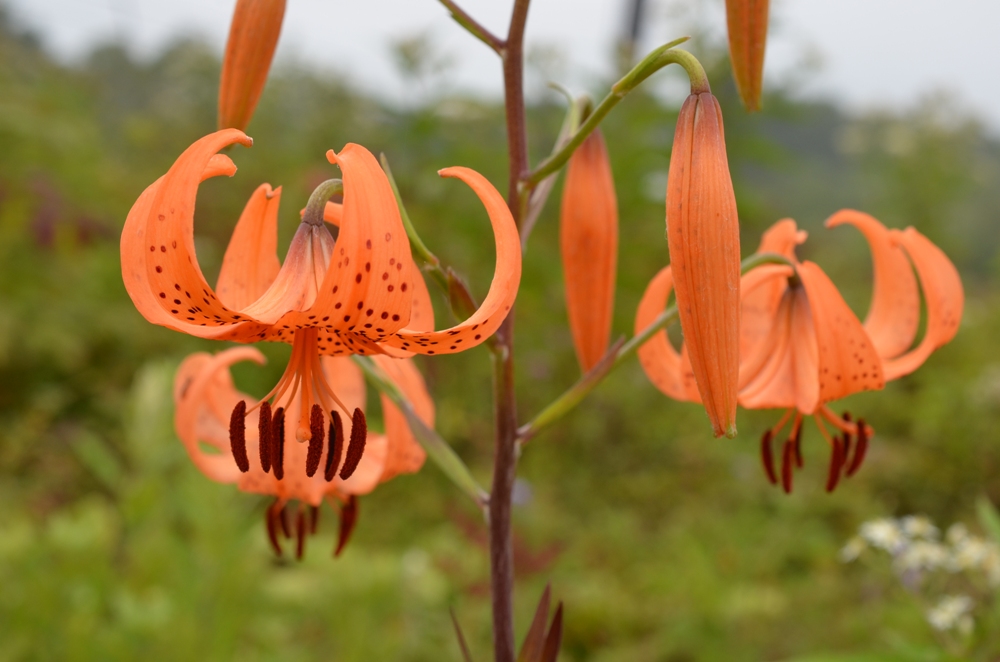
{"points": [[588, 234], [667, 369], [195, 421], [421, 315], [253, 36], [747, 23], [781, 369], [251, 260], [404, 453], [847, 360], [761, 291], [894, 313], [945, 298], [703, 236], [368, 286], [782, 238], [172, 270], [503, 290]]}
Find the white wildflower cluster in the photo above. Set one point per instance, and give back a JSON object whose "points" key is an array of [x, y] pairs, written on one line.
{"points": [[952, 612], [917, 549]]}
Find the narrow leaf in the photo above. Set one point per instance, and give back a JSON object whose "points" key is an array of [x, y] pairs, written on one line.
{"points": [[554, 639], [466, 655], [534, 641], [989, 518]]}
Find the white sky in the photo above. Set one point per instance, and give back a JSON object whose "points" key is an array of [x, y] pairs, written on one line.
{"points": [[871, 53]]}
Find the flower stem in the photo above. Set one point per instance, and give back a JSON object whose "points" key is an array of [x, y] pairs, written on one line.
{"points": [[313, 214], [617, 354], [505, 403], [652, 63], [475, 28]]}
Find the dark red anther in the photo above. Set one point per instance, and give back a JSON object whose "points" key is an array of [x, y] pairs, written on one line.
{"points": [[348, 518], [787, 465], [798, 446], [767, 456], [300, 532], [860, 449], [359, 434], [335, 447], [238, 436], [836, 465], [278, 443], [283, 520], [313, 519], [264, 436], [315, 440], [271, 518]]}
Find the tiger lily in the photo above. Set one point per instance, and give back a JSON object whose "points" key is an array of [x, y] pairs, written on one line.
{"points": [[357, 294], [802, 347], [204, 396]]}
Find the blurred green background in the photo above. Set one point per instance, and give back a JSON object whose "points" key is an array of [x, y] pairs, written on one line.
{"points": [[664, 543]]}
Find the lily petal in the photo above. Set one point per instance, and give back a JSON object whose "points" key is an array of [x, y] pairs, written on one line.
{"points": [[503, 290], [172, 270], [194, 421], [404, 454], [894, 313], [848, 362], [664, 366], [251, 260], [945, 298], [769, 377], [367, 285], [588, 235], [253, 36]]}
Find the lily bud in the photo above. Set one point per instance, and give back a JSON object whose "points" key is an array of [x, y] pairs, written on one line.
{"points": [[747, 23], [588, 234], [253, 36], [704, 239]]}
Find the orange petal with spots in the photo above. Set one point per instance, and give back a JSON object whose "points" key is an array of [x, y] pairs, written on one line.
{"points": [[134, 245], [196, 421], [669, 371], [848, 362], [588, 234], [503, 290], [253, 36], [251, 260], [404, 453], [943, 293], [704, 240], [368, 283], [421, 315], [747, 24], [894, 313], [171, 265]]}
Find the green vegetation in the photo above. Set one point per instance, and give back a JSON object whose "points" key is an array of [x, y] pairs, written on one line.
{"points": [[664, 544]]}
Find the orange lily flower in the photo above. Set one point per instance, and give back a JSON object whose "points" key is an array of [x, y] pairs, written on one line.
{"points": [[802, 347], [703, 236], [253, 36], [746, 21], [357, 294], [588, 233], [204, 396]]}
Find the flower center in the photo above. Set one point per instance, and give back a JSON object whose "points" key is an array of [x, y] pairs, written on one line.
{"points": [[852, 437], [304, 393]]}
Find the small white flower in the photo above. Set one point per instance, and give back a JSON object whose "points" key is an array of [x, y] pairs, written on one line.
{"points": [[970, 554], [884, 534], [922, 556], [853, 549], [957, 533], [952, 611], [919, 526]]}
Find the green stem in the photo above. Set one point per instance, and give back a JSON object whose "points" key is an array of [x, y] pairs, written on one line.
{"points": [[575, 394], [437, 448], [652, 63], [620, 351], [313, 214]]}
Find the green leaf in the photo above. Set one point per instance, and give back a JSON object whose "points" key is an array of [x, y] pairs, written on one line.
{"points": [[989, 518]]}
